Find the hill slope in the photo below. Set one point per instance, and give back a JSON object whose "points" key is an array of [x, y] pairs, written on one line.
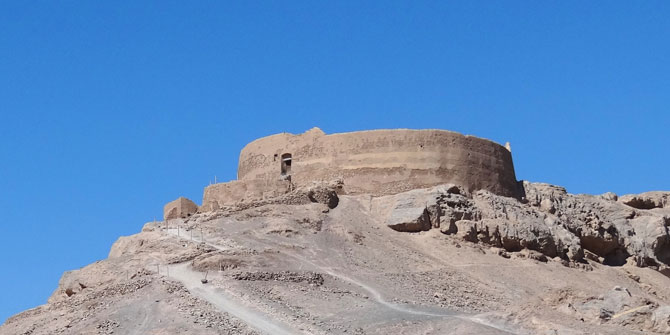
{"points": [[428, 261]]}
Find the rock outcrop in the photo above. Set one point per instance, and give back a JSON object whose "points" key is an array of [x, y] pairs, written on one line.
{"points": [[406, 213], [647, 200], [547, 220]]}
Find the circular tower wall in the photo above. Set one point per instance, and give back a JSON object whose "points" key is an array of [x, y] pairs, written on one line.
{"points": [[382, 161]]}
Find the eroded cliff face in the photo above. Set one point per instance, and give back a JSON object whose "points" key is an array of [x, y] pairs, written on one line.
{"points": [[547, 220], [435, 260]]}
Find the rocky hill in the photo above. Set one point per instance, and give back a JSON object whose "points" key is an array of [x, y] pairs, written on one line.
{"points": [[439, 260]]}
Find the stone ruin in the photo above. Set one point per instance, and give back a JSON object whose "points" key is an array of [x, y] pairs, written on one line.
{"points": [[179, 209], [435, 179], [377, 162]]}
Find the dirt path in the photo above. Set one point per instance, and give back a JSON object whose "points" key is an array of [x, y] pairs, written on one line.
{"points": [[411, 310], [375, 294], [219, 298], [148, 312]]}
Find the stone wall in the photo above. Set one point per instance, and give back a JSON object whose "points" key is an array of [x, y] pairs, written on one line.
{"points": [[383, 161], [180, 208], [222, 194]]}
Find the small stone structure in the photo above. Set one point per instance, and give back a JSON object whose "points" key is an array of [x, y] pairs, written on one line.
{"points": [[180, 208], [377, 162]]}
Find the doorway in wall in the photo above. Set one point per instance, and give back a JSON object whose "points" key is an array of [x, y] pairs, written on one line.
{"points": [[285, 164]]}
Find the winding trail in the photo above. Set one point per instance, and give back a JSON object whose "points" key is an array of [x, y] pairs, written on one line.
{"points": [[376, 295], [412, 310], [223, 301], [217, 297]]}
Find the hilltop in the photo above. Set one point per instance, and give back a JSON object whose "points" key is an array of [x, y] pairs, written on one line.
{"points": [[377, 232]]}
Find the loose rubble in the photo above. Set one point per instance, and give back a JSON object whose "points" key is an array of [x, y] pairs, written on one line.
{"points": [[285, 276]]}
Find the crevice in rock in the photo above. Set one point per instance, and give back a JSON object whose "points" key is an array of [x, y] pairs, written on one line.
{"points": [[617, 257]]}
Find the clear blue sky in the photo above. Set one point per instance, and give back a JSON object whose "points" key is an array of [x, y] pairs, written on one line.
{"points": [[111, 109]]}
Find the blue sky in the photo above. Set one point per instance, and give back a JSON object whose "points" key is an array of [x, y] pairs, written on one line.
{"points": [[111, 109]]}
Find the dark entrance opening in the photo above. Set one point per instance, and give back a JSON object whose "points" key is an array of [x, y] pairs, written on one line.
{"points": [[285, 164]]}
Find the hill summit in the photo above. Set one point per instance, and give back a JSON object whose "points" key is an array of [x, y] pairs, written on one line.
{"points": [[377, 232]]}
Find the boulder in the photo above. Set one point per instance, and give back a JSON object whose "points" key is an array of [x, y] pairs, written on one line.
{"points": [[180, 208], [611, 196], [409, 219], [416, 210], [324, 195], [647, 200]]}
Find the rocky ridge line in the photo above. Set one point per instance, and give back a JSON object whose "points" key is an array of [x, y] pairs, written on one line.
{"points": [[546, 219]]}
